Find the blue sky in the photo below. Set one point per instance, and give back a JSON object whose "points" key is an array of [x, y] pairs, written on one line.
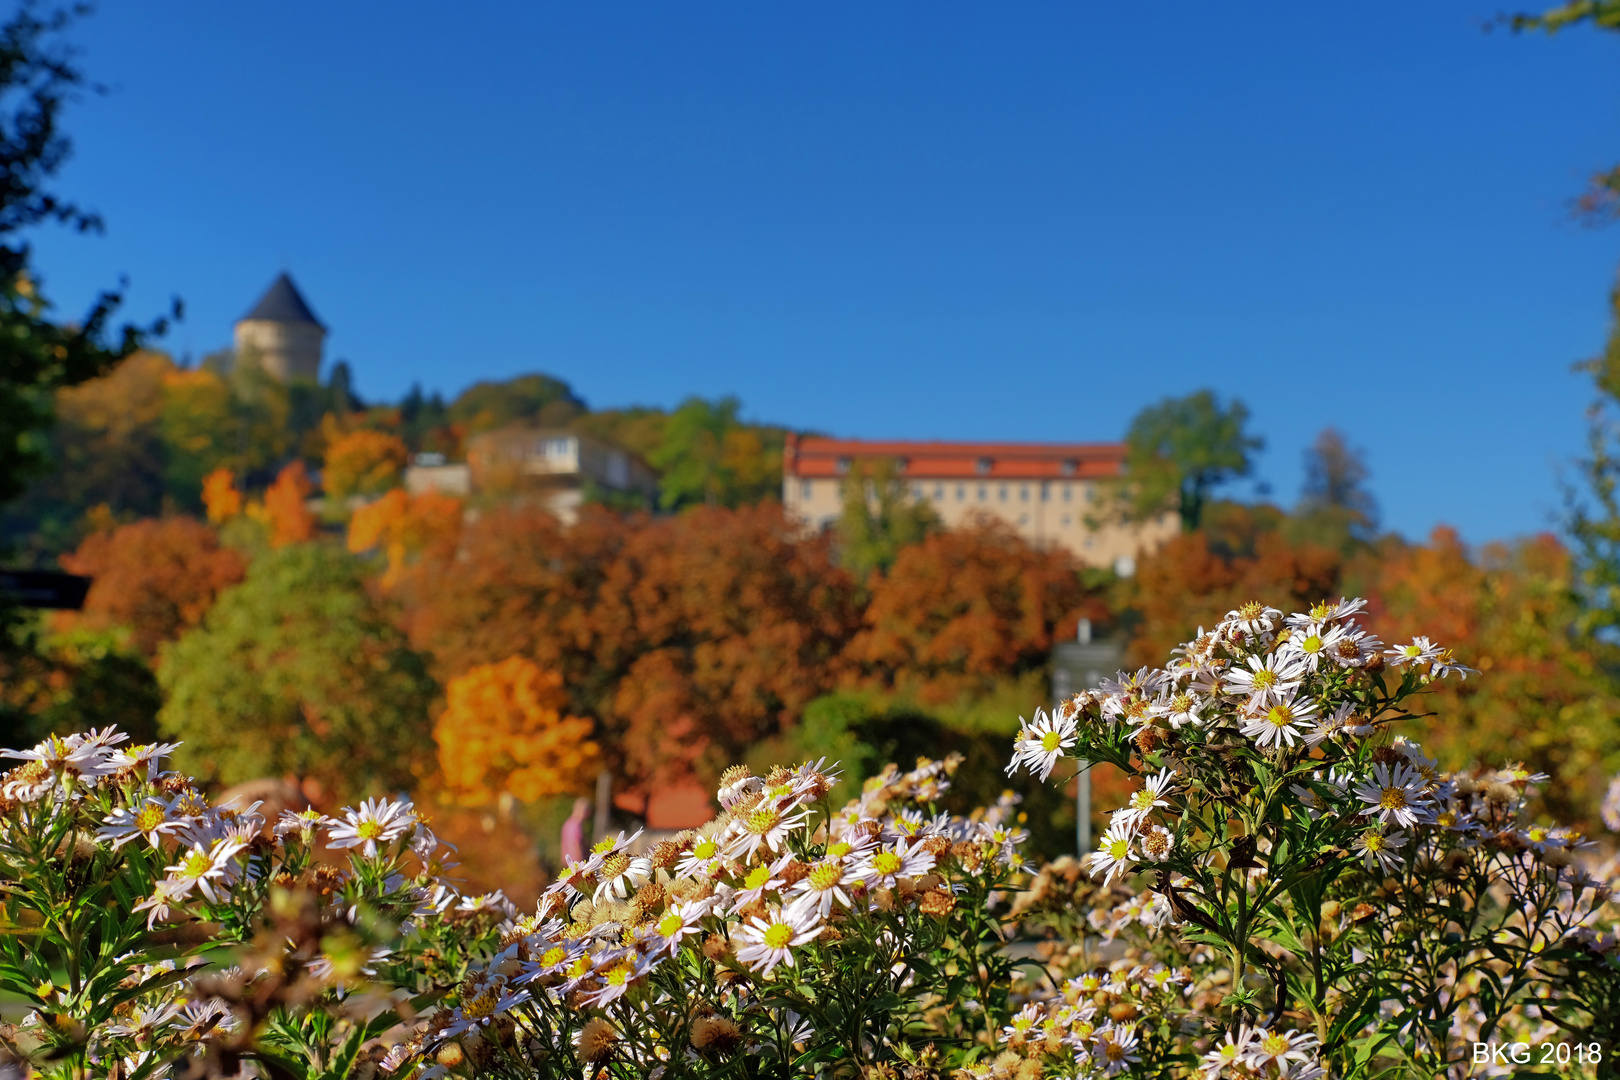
{"points": [[959, 221]]}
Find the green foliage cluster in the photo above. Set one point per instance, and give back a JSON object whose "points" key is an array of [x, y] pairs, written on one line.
{"points": [[299, 671]]}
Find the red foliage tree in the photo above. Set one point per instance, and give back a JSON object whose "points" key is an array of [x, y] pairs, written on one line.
{"points": [[966, 607], [156, 577], [687, 638]]}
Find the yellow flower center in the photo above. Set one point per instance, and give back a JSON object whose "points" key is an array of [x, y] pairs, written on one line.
{"points": [[705, 849], [480, 1007], [1118, 849], [1312, 644], [602, 847], [758, 876], [1392, 798], [761, 822], [620, 973], [825, 877], [1279, 715], [1265, 679], [615, 864], [150, 817], [887, 862], [779, 935], [369, 830], [670, 924], [1051, 741], [838, 849], [195, 865], [1274, 1044], [553, 956]]}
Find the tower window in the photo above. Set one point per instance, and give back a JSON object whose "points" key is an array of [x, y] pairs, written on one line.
{"points": [[983, 466]]}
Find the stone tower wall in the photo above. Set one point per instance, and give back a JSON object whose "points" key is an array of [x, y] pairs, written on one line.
{"points": [[287, 350]]}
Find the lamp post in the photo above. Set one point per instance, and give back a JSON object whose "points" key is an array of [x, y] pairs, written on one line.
{"points": [[1082, 664]]}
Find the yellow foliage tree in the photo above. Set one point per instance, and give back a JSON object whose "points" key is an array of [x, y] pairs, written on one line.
{"points": [[405, 526], [363, 462], [503, 729], [220, 497]]}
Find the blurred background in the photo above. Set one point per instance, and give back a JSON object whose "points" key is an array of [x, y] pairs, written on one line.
{"points": [[544, 403]]}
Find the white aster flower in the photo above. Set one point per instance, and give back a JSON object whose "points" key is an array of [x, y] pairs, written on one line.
{"points": [[770, 941], [1396, 796], [1041, 742], [1113, 856], [621, 874], [1157, 843], [378, 821], [681, 921], [1265, 679], [211, 870], [888, 864], [1149, 797], [1281, 722], [1378, 850], [1311, 642], [1421, 651], [153, 819], [822, 887], [302, 823]]}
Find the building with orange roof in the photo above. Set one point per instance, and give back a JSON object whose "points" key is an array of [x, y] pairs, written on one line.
{"points": [[1049, 493]]}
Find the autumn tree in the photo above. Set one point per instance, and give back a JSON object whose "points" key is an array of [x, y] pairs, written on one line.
{"points": [[965, 608], [221, 499], [300, 671], [503, 729], [1179, 452], [1243, 553], [1544, 694], [285, 511], [156, 578], [687, 638], [406, 527], [363, 462]]}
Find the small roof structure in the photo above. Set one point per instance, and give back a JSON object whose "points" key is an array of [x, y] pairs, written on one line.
{"points": [[282, 303]]}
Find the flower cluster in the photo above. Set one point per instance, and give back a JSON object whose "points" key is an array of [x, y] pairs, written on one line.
{"points": [[783, 928], [122, 879], [1290, 845]]}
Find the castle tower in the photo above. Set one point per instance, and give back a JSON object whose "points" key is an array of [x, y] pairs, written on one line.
{"points": [[283, 333]]}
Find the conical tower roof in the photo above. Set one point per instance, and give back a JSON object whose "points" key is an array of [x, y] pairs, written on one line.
{"points": [[282, 303]]}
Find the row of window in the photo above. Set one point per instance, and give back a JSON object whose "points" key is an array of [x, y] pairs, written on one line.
{"points": [[940, 492]]}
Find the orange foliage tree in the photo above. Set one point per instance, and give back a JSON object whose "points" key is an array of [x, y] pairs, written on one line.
{"points": [[405, 527], [289, 519], [362, 462], [965, 608], [1543, 695], [156, 577], [688, 638], [503, 729], [1196, 578], [220, 497]]}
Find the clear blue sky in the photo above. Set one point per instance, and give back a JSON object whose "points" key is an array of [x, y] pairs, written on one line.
{"points": [[940, 220]]}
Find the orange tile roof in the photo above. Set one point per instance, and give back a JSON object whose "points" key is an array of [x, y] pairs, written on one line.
{"points": [[814, 456]]}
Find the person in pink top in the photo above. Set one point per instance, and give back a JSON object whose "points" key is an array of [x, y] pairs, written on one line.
{"points": [[573, 833]]}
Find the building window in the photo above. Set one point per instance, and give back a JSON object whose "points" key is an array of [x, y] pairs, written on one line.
{"points": [[1065, 521], [1046, 491], [1003, 492], [1068, 467], [939, 492], [983, 466], [1066, 493], [961, 492], [557, 448], [984, 492], [805, 490], [917, 492], [1091, 494], [843, 464], [1023, 493], [1088, 543]]}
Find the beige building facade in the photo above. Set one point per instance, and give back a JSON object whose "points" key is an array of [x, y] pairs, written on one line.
{"points": [[1049, 494]]}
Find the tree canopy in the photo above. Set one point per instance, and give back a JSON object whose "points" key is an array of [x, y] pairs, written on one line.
{"points": [[299, 671], [1179, 451]]}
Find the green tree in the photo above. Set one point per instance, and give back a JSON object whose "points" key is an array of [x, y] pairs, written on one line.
{"points": [[879, 518], [1181, 450], [39, 354], [299, 671], [538, 399], [707, 456]]}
